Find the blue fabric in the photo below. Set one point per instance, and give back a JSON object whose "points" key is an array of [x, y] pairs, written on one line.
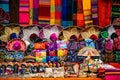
{"points": [[89, 43]]}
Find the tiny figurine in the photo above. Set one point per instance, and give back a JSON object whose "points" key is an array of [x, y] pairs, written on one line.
{"points": [[16, 68], [23, 68]]}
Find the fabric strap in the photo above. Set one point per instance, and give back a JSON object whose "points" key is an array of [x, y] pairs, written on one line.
{"points": [[67, 11], [35, 11], [87, 12], [24, 12], [44, 12], [80, 15], [104, 12], [95, 12]]}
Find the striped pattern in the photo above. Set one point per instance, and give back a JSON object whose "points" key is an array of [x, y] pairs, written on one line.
{"points": [[24, 16], [4, 4], [44, 12], [95, 12], [14, 11], [58, 12], [31, 12], [87, 12], [35, 11], [52, 12], [67, 11], [115, 12], [104, 12], [80, 15]]}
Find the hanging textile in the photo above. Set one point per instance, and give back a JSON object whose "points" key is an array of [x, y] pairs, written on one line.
{"points": [[31, 12], [80, 15], [44, 12], [115, 10], [104, 12], [24, 12], [14, 11], [35, 11], [75, 12], [87, 12], [52, 12], [58, 12], [67, 11], [4, 4], [95, 12]]}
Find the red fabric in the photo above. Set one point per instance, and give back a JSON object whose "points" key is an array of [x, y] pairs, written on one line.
{"points": [[117, 65], [104, 12]]}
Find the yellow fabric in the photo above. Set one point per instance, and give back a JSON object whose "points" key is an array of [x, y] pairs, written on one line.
{"points": [[52, 12], [31, 12]]}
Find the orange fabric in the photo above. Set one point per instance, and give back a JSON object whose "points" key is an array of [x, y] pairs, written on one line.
{"points": [[63, 79], [3, 79], [13, 79], [40, 45]]}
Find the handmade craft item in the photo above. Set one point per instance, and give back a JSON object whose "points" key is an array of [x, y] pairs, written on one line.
{"points": [[16, 45]]}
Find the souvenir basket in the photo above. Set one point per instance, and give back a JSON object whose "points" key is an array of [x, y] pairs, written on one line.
{"points": [[82, 75], [92, 31], [93, 69], [70, 32]]}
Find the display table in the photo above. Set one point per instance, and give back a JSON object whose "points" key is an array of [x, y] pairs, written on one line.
{"points": [[51, 79]]}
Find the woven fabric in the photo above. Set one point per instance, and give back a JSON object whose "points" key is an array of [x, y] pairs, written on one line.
{"points": [[87, 12], [80, 15], [31, 12], [52, 12], [35, 11], [95, 12], [4, 4], [44, 12], [75, 12], [58, 12], [67, 11], [104, 12], [24, 12], [14, 11]]}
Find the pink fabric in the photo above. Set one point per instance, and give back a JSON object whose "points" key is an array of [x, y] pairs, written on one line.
{"points": [[112, 77], [24, 18]]}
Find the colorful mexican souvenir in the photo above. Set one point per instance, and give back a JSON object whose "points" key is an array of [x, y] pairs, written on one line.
{"points": [[9, 69], [61, 44], [116, 43], [29, 58], [71, 32], [40, 55], [52, 58], [51, 46], [72, 45], [16, 45], [108, 45], [19, 56], [81, 44], [72, 56], [89, 43], [3, 68], [10, 56], [8, 31], [62, 52], [34, 68], [52, 53], [99, 44], [13, 36], [22, 68], [4, 16], [34, 38], [40, 45], [41, 67], [32, 29], [16, 68], [0, 69], [50, 32], [3, 52]]}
